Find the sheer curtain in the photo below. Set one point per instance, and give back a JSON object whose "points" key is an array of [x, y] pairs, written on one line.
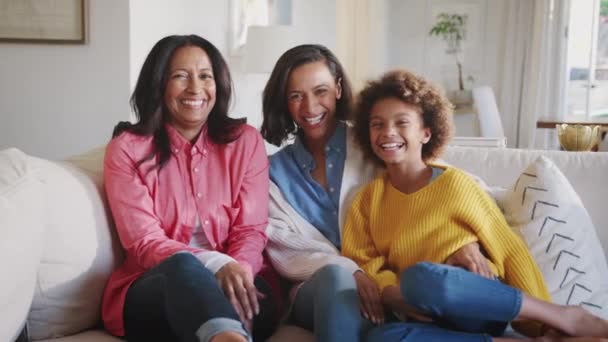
{"points": [[353, 38], [533, 77]]}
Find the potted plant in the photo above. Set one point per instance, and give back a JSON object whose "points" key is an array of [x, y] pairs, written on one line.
{"points": [[452, 29]]}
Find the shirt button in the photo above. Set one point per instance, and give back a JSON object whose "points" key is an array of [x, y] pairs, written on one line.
{"points": [[335, 213], [204, 151], [206, 222], [175, 150], [330, 165], [199, 195], [331, 189], [327, 148], [194, 150], [195, 169]]}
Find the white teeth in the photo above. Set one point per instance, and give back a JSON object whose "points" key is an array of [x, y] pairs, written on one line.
{"points": [[314, 120], [192, 103], [391, 146]]}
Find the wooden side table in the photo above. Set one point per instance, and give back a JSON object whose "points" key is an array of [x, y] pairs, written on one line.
{"points": [[576, 120], [573, 120]]}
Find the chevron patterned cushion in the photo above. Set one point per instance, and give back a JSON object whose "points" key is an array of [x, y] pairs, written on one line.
{"points": [[545, 210]]}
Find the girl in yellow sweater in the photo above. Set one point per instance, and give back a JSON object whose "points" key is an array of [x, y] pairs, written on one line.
{"points": [[402, 227]]}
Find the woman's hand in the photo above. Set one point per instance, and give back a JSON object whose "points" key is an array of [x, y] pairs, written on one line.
{"points": [[371, 305], [470, 258], [237, 284], [392, 299]]}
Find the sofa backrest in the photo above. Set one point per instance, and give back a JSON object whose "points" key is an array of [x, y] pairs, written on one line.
{"points": [[81, 248]]}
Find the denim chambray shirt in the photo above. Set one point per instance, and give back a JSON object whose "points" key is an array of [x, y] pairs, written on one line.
{"points": [[290, 170]]}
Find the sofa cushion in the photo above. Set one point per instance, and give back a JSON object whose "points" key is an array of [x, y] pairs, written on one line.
{"points": [[21, 228], [79, 254], [545, 210], [292, 333], [87, 336]]}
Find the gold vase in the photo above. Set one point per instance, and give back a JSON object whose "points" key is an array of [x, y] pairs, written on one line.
{"points": [[578, 137]]}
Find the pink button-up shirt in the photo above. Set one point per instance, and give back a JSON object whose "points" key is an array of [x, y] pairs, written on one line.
{"points": [[226, 186]]}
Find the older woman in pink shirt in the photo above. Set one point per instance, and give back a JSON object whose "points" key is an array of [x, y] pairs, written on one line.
{"points": [[188, 190]]}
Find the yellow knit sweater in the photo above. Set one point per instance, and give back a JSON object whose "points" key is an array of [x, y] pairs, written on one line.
{"points": [[387, 231]]}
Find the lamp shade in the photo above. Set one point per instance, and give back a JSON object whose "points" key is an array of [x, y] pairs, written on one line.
{"points": [[265, 44]]}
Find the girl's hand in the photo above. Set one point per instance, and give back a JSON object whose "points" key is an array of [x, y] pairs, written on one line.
{"points": [[371, 305], [237, 284], [470, 258]]}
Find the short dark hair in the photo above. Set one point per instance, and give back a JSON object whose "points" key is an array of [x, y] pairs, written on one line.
{"points": [[411, 89], [148, 104], [278, 124]]}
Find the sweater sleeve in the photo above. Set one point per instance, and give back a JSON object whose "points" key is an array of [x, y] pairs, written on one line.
{"points": [[508, 252], [295, 248], [357, 243]]}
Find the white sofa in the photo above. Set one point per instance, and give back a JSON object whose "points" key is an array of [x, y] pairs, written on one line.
{"points": [[58, 247]]}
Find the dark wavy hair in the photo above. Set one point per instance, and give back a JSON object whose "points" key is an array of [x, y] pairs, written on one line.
{"points": [[278, 124], [148, 104], [411, 89]]}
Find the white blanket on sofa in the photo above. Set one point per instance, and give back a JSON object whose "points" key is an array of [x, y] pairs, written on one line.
{"points": [[296, 248]]}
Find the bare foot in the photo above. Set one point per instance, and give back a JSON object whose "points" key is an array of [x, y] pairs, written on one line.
{"points": [[555, 336], [583, 323]]}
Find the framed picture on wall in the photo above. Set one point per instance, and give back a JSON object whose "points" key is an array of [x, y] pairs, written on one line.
{"points": [[43, 21]]}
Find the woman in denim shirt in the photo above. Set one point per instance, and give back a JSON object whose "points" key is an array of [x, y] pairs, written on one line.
{"points": [[313, 180]]}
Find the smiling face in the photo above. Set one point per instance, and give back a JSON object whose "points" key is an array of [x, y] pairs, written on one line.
{"points": [[312, 93], [190, 90], [397, 131]]}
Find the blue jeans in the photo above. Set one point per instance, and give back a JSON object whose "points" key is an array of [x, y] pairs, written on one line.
{"points": [[328, 304], [180, 300], [464, 306]]}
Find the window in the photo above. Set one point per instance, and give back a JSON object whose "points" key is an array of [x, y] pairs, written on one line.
{"points": [[587, 59]]}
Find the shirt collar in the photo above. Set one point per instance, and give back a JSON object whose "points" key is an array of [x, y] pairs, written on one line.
{"points": [[336, 143], [178, 142]]}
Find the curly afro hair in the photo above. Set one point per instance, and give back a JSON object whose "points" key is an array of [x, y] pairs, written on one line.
{"points": [[414, 90]]}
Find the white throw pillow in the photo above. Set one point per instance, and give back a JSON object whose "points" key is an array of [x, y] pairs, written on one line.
{"points": [[21, 232], [548, 214], [80, 250]]}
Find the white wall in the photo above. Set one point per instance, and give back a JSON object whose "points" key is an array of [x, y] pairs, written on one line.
{"points": [[381, 39], [152, 20], [408, 45], [207, 18], [315, 22], [59, 100], [399, 38]]}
